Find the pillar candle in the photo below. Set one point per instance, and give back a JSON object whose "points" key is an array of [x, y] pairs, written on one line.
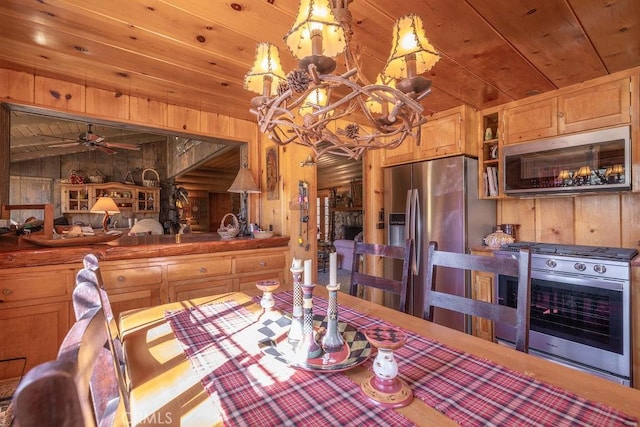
{"points": [[307, 272], [333, 268], [297, 264]]}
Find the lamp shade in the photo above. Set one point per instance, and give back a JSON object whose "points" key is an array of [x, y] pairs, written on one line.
{"points": [[409, 38], [266, 65], [244, 183], [105, 205], [315, 16]]}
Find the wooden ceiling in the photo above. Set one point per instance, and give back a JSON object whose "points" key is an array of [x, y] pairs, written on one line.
{"points": [[195, 53]]}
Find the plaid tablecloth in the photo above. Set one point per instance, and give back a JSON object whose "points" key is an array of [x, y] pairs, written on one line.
{"points": [[477, 392], [252, 389]]}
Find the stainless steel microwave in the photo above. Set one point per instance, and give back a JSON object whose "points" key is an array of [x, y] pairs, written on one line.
{"points": [[569, 164]]}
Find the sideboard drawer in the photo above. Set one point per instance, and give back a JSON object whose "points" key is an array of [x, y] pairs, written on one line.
{"points": [[125, 278], [34, 286], [199, 268], [259, 263]]}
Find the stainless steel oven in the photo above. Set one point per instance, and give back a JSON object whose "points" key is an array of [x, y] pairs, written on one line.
{"points": [[580, 307]]}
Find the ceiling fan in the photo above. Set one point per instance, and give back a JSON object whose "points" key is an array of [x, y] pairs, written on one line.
{"points": [[94, 141]]}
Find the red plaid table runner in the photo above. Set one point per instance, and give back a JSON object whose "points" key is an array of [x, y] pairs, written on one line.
{"points": [[477, 392], [255, 390]]}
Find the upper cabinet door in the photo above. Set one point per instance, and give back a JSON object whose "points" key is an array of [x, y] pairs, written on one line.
{"points": [[531, 121], [595, 107], [404, 153], [441, 137]]}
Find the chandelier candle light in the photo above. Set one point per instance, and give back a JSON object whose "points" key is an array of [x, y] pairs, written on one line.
{"points": [[304, 107]]}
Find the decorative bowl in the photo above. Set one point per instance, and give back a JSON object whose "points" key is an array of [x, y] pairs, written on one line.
{"points": [[263, 234], [498, 238]]}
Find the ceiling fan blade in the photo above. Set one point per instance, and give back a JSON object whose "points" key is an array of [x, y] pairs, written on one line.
{"points": [[106, 150], [122, 145]]}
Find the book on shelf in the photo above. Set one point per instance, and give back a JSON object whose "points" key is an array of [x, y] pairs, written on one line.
{"points": [[492, 175]]}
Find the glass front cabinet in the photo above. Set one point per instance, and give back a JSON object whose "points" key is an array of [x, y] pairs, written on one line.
{"points": [[79, 198]]}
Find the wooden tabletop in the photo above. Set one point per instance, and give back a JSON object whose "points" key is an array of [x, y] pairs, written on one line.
{"points": [[163, 384]]}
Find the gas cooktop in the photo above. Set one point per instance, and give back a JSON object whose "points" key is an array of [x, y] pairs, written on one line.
{"points": [[597, 252]]}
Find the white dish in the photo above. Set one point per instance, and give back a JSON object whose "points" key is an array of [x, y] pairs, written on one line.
{"points": [[263, 234]]}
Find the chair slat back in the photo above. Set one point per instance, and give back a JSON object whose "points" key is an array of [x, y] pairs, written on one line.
{"points": [[517, 266], [394, 286]]}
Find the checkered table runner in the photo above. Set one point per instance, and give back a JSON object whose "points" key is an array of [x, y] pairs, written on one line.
{"points": [[477, 392], [251, 389]]}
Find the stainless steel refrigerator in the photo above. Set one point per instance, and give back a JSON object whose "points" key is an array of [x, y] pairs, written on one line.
{"points": [[436, 200]]}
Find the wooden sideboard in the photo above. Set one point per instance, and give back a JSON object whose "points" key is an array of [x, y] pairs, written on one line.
{"points": [[35, 301]]}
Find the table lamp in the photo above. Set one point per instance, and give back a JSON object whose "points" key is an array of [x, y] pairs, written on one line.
{"points": [[244, 184], [106, 205]]}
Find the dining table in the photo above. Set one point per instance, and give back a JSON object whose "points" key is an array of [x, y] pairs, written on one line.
{"points": [[205, 362]]}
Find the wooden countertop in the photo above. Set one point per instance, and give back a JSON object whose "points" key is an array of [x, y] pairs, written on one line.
{"points": [[15, 254]]}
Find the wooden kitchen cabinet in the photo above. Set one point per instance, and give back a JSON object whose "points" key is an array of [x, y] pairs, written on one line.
{"points": [[35, 314], [132, 284], [604, 105], [36, 308], [531, 121], [405, 153], [446, 133], [75, 198], [573, 110], [79, 198], [482, 284]]}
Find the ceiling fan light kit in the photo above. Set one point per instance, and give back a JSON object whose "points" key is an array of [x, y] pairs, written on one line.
{"points": [[304, 106]]}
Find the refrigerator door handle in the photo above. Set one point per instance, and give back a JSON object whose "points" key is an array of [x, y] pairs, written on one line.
{"points": [[416, 230], [407, 216]]}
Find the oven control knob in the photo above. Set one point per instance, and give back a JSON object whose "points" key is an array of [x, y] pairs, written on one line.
{"points": [[580, 266], [551, 263], [599, 268]]}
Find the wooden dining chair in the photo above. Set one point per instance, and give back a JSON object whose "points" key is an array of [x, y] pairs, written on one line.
{"points": [[394, 286], [79, 387], [87, 295], [90, 262], [517, 266]]}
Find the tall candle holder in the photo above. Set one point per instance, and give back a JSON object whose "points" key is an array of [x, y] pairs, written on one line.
{"points": [[332, 340], [295, 330], [384, 387], [308, 348]]}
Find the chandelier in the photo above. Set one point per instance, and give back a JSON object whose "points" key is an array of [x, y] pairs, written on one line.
{"points": [[306, 105]]}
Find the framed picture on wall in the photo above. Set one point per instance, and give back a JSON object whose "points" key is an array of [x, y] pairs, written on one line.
{"points": [[273, 190]]}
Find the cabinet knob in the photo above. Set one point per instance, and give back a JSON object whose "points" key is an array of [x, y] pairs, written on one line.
{"points": [[263, 263], [560, 114], [121, 279], [6, 292], [202, 270]]}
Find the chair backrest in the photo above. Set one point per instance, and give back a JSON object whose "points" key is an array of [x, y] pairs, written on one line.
{"points": [[57, 393], [90, 262], [89, 293], [517, 266], [397, 286]]}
